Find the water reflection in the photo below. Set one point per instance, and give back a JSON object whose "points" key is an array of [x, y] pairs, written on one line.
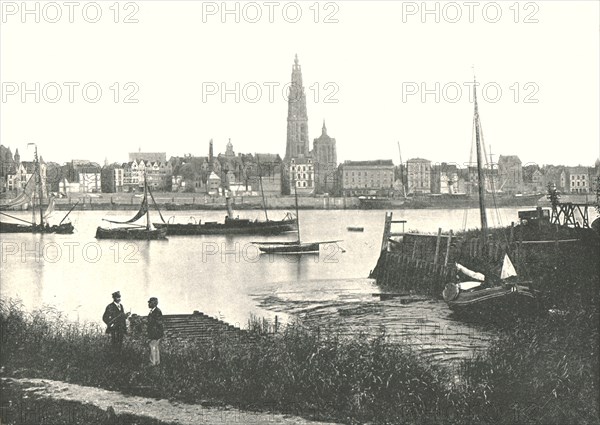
{"points": [[219, 275]]}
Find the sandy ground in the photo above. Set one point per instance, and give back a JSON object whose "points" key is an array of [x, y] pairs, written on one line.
{"points": [[158, 409]]}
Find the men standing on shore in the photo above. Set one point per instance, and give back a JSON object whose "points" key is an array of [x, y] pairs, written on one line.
{"points": [[155, 330], [116, 322]]}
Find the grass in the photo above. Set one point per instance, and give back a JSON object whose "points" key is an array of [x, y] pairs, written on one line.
{"points": [[296, 371], [543, 370]]}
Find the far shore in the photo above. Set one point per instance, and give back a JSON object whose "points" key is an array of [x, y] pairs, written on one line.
{"points": [[196, 201]]}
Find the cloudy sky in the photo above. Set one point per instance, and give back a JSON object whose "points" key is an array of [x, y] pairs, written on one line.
{"points": [[169, 76]]}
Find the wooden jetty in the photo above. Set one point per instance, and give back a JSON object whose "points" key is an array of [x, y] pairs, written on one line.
{"points": [[423, 263]]}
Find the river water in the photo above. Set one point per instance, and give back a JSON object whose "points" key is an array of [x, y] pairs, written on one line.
{"points": [[226, 277]]}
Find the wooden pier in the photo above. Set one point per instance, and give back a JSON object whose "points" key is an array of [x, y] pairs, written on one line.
{"points": [[423, 263]]}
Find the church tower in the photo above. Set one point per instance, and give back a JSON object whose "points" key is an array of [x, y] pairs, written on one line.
{"points": [[297, 145], [325, 160]]}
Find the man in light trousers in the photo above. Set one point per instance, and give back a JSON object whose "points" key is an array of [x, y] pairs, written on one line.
{"points": [[155, 330]]}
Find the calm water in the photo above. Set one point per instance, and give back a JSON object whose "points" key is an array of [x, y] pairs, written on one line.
{"points": [[225, 277]]}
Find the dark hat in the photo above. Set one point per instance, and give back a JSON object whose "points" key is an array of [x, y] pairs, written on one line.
{"points": [[153, 299], [116, 294]]}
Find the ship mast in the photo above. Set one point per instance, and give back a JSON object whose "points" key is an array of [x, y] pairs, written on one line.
{"points": [[297, 215], [480, 171], [401, 173], [262, 192], [146, 202], [38, 182]]}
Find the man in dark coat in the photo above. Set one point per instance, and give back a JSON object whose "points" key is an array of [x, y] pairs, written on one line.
{"points": [[155, 330], [116, 322]]}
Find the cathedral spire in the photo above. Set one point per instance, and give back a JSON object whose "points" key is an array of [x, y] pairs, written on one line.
{"points": [[324, 130], [297, 143]]}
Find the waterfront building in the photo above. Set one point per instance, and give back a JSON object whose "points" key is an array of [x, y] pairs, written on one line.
{"points": [[367, 177], [22, 171], [448, 179], [158, 175], [491, 180], [325, 162], [595, 177], [302, 175], [214, 184], [419, 176], [267, 166], [537, 182], [111, 178], [7, 164], [510, 174], [190, 173], [579, 179], [148, 156], [444, 179]]}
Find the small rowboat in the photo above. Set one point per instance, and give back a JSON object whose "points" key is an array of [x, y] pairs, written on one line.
{"points": [[355, 229]]}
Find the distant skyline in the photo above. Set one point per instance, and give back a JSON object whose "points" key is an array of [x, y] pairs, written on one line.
{"points": [[363, 75]]}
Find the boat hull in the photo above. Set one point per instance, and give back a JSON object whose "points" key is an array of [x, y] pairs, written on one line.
{"points": [[355, 229], [131, 233], [230, 227], [494, 301], [291, 248], [66, 228]]}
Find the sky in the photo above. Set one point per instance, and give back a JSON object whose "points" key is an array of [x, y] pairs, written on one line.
{"points": [[170, 76]]}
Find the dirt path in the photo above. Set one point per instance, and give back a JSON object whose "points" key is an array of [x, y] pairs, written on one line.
{"points": [[161, 410]]}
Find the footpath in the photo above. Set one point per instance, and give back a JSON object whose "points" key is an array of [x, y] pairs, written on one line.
{"points": [[27, 401]]}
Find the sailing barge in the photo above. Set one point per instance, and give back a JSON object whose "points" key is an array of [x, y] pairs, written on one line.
{"points": [[33, 188], [231, 226], [133, 231]]}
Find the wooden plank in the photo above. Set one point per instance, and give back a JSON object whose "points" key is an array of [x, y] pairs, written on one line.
{"points": [[554, 241], [437, 246], [448, 248]]}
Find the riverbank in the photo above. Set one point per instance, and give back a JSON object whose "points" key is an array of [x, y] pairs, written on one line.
{"points": [[192, 201], [542, 370]]}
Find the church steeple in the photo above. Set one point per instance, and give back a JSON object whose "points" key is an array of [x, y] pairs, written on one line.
{"points": [[229, 150], [17, 156], [297, 144], [324, 130]]}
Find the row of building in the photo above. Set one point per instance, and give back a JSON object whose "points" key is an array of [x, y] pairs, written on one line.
{"points": [[228, 173], [303, 170]]}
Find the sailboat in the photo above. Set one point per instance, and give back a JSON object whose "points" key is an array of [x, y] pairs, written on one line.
{"points": [[135, 231], [33, 188], [291, 247], [476, 297], [484, 295], [234, 225]]}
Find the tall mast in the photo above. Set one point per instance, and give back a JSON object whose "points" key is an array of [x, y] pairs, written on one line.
{"points": [[297, 215], [38, 181], [480, 173], [261, 188], [401, 172], [146, 202]]}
